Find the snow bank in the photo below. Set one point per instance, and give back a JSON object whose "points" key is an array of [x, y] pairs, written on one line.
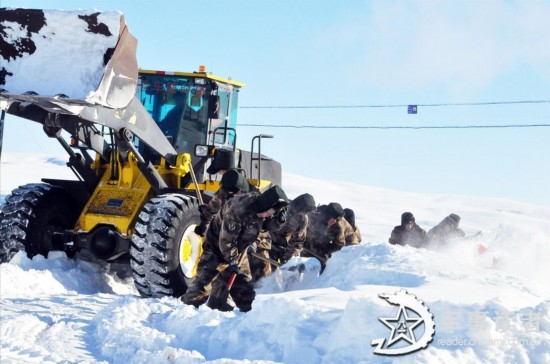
{"points": [[490, 307]]}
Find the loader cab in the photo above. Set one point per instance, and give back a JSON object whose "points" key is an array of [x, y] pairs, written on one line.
{"points": [[190, 108]]}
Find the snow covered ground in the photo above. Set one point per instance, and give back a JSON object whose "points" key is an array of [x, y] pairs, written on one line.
{"points": [[490, 307]]}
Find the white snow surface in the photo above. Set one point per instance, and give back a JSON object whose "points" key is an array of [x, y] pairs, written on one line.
{"points": [[73, 54], [491, 307]]}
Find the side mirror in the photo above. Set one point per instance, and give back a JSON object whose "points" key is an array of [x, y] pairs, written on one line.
{"points": [[214, 107]]}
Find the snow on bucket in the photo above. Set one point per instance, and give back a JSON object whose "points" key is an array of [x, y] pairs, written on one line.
{"points": [[85, 55]]}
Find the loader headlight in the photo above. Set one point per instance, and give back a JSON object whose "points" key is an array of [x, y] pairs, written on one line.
{"points": [[202, 150]]}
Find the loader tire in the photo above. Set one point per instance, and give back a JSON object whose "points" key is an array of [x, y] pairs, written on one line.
{"points": [[29, 217], [165, 251]]}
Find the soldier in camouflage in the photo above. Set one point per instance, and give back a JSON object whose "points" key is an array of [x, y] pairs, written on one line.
{"points": [[232, 230], [259, 267], [288, 239], [282, 236], [232, 183], [324, 234], [351, 232]]}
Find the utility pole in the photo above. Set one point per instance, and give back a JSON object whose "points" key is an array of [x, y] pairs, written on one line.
{"points": [[2, 116]]}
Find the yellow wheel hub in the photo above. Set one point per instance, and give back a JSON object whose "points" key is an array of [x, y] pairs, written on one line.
{"points": [[190, 252]]}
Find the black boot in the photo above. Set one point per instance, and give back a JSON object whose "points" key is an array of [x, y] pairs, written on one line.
{"points": [[195, 297], [216, 303]]}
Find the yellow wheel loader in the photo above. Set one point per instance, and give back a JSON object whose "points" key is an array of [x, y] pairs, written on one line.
{"points": [[139, 143]]}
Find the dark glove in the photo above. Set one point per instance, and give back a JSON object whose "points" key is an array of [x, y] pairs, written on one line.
{"points": [[234, 268], [202, 208], [281, 216], [200, 230]]}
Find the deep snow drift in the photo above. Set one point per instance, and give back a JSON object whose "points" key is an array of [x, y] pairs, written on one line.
{"points": [[490, 307]]}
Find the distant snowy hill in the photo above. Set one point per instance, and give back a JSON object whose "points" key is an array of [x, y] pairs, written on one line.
{"points": [[490, 307]]}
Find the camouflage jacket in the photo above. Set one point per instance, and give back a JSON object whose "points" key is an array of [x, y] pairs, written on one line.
{"points": [[216, 203], [342, 233], [317, 238], [234, 228], [356, 236], [269, 226], [214, 206], [289, 237]]}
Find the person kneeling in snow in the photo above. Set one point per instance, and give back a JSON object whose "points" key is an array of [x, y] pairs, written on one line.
{"points": [[288, 239], [352, 233], [446, 230], [408, 233], [324, 231], [231, 184], [233, 229]]}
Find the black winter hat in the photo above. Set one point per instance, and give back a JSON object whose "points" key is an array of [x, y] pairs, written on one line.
{"points": [[274, 197], [406, 217], [303, 203], [223, 159], [322, 209], [349, 215], [334, 211], [233, 181]]}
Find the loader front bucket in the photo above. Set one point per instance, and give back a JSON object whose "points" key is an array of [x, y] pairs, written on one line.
{"points": [[73, 69], [83, 57]]}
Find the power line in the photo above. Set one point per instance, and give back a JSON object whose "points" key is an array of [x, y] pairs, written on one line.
{"points": [[399, 105], [401, 127]]}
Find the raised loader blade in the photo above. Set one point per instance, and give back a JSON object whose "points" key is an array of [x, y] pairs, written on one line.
{"points": [[84, 57], [73, 69]]}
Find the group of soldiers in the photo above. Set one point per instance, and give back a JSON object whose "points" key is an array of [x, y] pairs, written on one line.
{"points": [[248, 235], [409, 233]]}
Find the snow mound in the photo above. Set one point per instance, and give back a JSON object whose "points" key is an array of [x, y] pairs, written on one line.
{"points": [[492, 306]]}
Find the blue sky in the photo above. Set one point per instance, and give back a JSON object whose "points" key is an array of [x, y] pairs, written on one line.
{"points": [[320, 53]]}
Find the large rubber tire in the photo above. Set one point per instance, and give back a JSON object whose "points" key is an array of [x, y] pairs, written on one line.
{"points": [[165, 251], [29, 217]]}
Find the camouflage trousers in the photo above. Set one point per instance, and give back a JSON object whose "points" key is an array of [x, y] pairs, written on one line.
{"points": [[242, 292], [197, 293], [212, 281]]}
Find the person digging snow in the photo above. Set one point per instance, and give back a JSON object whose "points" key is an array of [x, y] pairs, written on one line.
{"points": [[232, 230], [408, 233]]}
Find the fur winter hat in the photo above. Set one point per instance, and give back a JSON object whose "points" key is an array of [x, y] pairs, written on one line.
{"points": [[274, 197], [322, 209], [303, 203], [349, 215], [223, 159], [233, 181], [334, 211], [407, 217]]}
